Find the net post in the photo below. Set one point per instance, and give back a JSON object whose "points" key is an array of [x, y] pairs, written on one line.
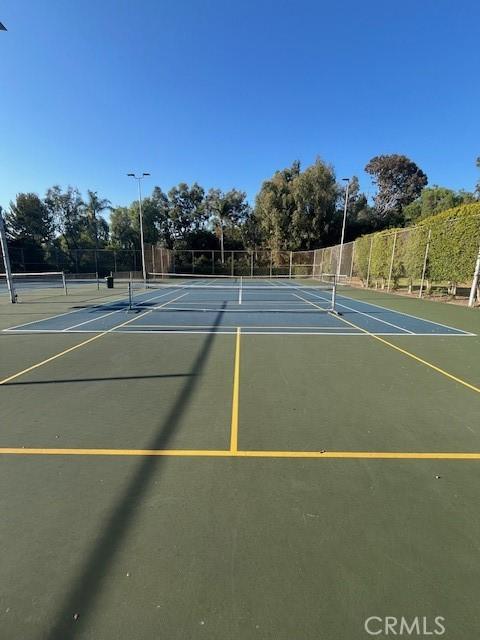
{"points": [[130, 306], [64, 283], [425, 258], [369, 260], [290, 265], [6, 260], [391, 261], [475, 281], [334, 295]]}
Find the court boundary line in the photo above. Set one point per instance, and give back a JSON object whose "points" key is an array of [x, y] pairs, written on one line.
{"points": [[466, 384], [363, 313], [105, 315], [443, 372], [235, 396], [65, 313], [404, 313], [72, 348], [245, 453]]}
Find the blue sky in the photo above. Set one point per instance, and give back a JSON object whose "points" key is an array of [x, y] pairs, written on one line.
{"points": [[227, 92]]}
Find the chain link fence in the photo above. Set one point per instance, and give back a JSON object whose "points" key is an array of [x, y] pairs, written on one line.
{"points": [[438, 258]]}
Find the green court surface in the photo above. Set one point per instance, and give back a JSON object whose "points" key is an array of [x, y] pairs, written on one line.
{"points": [[235, 486]]}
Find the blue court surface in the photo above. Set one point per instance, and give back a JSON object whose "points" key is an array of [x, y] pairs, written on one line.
{"points": [[262, 307]]}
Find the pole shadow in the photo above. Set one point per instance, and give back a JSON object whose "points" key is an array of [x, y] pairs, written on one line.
{"points": [[88, 585]]}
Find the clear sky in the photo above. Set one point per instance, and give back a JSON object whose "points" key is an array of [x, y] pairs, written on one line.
{"points": [[226, 92]]}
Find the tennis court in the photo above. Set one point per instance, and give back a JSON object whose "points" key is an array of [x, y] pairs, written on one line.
{"points": [[237, 458]]}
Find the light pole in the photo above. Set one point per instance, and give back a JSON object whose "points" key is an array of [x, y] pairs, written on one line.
{"points": [[339, 266], [6, 260], [139, 179]]}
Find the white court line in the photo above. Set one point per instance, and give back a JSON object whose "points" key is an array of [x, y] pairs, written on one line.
{"points": [[293, 303], [362, 313], [253, 326], [432, 322], [66, 313], [105, 315], [246, 330], [403, 313]]}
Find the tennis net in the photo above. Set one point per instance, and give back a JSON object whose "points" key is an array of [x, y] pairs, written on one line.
{"points": [[192, 292], [41, 279]]}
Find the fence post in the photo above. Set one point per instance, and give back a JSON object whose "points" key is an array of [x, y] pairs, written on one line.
{"points": [[232, 264], [314, 262], [213, 263], [391, 261], [290, 266], [353, 258], [251, 265], [475, 281], [424, 269], [115, 261], [369, 260], [321, 263], [271, 263], [153, 258], [193, 261]]}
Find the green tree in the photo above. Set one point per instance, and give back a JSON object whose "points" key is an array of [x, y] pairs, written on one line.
{"points": [[123, 235], [162, 217], [250, 232], [399, 182], [226, 210], [434, 200], [360, 216], [67, 210], [315, 194], [71, 223], [29, 220], [97, 227], [186, 210], [274, 207]]}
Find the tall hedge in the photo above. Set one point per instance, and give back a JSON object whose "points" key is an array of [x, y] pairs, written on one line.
{"points": [[454, 239]]}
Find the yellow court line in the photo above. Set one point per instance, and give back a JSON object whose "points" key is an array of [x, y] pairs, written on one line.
{"points": [[215, 453], [404, 351], [414, 357], [81, 344], [235, 396]]}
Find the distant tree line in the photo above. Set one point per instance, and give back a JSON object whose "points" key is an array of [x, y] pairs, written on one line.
{"points": [[295, 209]]}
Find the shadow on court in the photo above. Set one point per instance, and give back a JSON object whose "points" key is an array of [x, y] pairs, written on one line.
{"points": [[89, 583], [107, 379]]}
